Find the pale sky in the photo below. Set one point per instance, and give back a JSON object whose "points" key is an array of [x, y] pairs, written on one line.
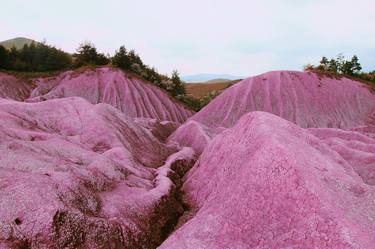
{"points": [[239, 37]]}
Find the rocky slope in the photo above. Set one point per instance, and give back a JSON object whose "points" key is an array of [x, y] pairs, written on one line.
{"points": [[305, 98], [13, 88], [267, 183], [73, 174], [127, 93]]}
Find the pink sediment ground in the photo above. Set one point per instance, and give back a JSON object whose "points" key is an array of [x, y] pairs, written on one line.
{"points": [[13, 88], [267, 183], [101, 159], [192, 134], [73, 174], [127, 93]]}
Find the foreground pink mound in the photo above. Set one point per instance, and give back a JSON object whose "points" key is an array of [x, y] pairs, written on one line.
{"points": [[266, 183], [77, 175], [356, 148], [13, 88], [304, 98], [132, 96]]}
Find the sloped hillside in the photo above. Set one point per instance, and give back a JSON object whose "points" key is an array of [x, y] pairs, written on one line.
{"points": [[17, 42], [77, 175], [127, 93], [267, 183], [13, 88], [304, 98]]}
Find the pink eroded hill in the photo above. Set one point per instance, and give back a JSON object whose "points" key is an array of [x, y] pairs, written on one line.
{"points": [[192, 134], [267, 183], [305, 98], [13, 88], [97, 159], [356, 148], [77, 175], [132, 96]]}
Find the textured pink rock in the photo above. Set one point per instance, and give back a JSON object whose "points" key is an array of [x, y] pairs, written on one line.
{"points": [[267, 183], [192, 134], [77, 175], [127, 93], [304, 98], [162, 130], [13, 88], [356, 148]]}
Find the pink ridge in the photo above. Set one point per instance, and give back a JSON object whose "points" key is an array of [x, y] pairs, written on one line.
{"points": [[127, 93], [267, 183], [13, 88], [303, 98]]}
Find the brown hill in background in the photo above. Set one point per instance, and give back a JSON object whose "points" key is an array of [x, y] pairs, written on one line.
{"points": [[198, 90]]}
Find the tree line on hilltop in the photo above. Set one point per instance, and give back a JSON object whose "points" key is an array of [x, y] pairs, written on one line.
{"points": [[40, 57], [340, 66], [36, 57]]}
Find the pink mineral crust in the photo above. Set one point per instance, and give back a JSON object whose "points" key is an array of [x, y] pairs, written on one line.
{"points": [[77, 175], [356, 148], [162, 130], [267, 183], [192, 134], [132, 96], [304, 98], [13, 88]]}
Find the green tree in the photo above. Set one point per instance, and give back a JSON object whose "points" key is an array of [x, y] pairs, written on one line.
{"points": [[356, 66], [131, 62], [178, 85], [37, 57], [340, 65], [121, 59], [333, 66], [324, 63], [88, 55], [4, 58], [208, 97], [134, 58]]}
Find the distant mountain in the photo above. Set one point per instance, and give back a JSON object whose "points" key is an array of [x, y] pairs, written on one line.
{"points": [[208, 77], [18, 42]]}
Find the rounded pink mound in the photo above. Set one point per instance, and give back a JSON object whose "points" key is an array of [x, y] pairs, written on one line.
{"points": [[13, 88], [267, 183], [129, 94], [192, 134], [77, 175], [303, 98]]}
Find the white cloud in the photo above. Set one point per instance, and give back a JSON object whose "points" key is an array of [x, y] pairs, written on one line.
{"points": [[214, 36]]}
